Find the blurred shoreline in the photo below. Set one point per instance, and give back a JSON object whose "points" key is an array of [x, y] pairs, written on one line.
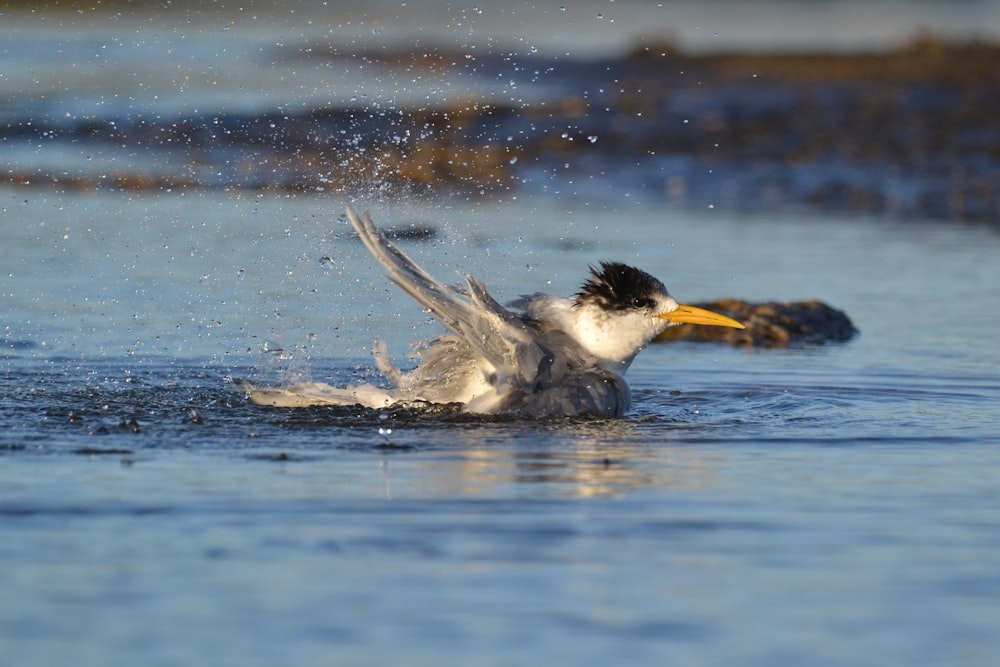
{"points": [[908, 132]]}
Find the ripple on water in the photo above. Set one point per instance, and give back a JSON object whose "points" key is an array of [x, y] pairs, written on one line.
{"points": [[149, 407]]}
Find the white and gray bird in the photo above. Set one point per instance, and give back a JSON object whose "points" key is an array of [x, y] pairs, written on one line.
{"points": [[551, 356]]}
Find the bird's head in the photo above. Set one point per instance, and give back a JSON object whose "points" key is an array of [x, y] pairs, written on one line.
{"points": [[621, 308]]}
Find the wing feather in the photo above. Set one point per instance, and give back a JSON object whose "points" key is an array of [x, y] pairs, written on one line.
{"points": [[500, 336]]}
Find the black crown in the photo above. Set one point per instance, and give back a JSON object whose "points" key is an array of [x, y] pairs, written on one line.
{"points": [[618, 286]]}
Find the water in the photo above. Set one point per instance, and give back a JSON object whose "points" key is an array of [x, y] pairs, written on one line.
{"points": [[831, 505], [834, 504]]}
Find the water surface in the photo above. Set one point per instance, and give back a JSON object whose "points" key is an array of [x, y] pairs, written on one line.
{"points": [[828, 505], [831, 505]]}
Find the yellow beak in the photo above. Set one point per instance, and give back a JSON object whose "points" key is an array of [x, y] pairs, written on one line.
{"points": [[692, 315]]}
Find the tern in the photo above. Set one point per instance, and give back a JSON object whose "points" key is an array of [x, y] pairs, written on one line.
{"points": [[545, 356]]}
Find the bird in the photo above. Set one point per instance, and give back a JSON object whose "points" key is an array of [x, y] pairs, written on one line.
{"points": [[541, 356]]}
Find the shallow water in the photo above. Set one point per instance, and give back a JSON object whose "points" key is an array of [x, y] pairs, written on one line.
{"points": [[830, 505]]}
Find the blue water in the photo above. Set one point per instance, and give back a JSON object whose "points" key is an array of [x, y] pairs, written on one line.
{"points": [[830, 505], [824, 505]]}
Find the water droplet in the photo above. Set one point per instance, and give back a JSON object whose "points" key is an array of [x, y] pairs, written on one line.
{"points": [[592, 139], [326, 261], [377, 29], [513, 160], [270, 347]]}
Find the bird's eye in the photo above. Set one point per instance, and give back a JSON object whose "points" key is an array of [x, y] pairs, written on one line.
{"points": [[639, 302]]}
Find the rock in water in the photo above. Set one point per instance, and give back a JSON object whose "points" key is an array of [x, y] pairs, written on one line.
{"points": [[769, 324]]}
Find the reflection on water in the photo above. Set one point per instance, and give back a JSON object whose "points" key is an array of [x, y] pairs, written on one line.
{"points": [[565, 460]]}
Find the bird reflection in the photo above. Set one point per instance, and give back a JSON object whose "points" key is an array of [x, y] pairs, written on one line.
{"points": [[593, 459]]}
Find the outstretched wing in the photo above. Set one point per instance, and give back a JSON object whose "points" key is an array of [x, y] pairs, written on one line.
{"points": [[540, 373], [501, 337]]}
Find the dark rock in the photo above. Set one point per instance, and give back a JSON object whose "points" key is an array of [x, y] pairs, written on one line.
{"points": [[769, 325]]}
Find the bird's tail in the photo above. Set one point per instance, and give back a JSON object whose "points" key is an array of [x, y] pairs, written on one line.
{"points": [[308, 394]]}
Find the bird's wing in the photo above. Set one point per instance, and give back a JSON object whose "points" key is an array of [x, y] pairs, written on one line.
{"points": [[492, 331]]}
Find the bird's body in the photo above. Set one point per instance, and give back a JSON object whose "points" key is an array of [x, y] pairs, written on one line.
{"points": [[554, 356]]}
